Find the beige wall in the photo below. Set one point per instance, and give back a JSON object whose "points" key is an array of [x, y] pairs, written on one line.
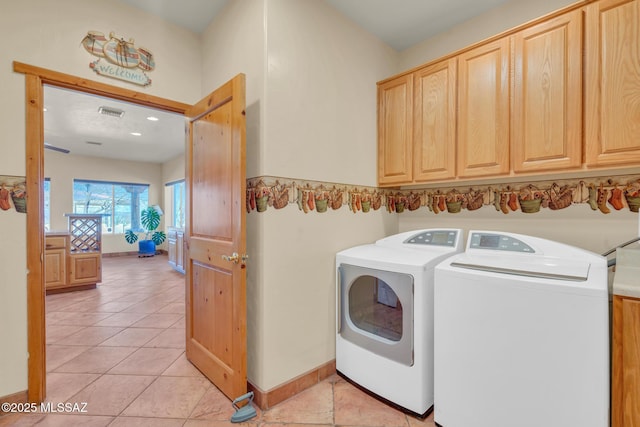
{"points": [[311, 114], [320, 124], [225, 56], [48, 34], [173, 170], [495, 21], [321, 94], [235, 43], [64, 168], [576, 225]]}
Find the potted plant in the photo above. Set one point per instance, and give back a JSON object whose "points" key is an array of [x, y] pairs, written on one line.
{"points": [[150, 221]]}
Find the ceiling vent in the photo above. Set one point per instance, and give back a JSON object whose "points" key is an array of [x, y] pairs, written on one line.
{"points": [[113, 112], [93, 143]]}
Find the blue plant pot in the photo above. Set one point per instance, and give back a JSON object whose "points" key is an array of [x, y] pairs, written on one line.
{"points": [[146, 248]]}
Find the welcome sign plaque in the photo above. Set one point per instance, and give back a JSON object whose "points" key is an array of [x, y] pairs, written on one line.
{"points": [[118, 58]]}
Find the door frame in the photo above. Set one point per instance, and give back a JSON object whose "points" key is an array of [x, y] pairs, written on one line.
{"points": [[35, 79]]}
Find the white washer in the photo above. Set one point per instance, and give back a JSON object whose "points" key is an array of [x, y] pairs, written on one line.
{"points": [[521, 335], [384, 337]]}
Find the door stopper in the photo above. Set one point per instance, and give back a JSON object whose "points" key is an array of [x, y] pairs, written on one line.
{"points": [[246, 412]]}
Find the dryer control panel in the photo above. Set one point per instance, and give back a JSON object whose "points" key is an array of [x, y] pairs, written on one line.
{"points": [[434, 237], [498, 242]]}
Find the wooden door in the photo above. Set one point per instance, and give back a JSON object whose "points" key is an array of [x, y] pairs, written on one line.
{"points": [[625, 381], [483, 110], [395, 101], [612, 86], [547, 91], [215, 277], [434, 122]]}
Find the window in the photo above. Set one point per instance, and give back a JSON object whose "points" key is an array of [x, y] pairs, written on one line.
{"points": [[178, 195], [118, 203], [46, 188]]}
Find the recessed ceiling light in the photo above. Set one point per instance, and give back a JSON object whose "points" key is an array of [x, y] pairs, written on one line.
{"points": [[136, 134], [153, 119], [44, 109]]}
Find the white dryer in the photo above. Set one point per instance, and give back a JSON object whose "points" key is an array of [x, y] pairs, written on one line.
{"points": [[384, 337], [521, 335]]}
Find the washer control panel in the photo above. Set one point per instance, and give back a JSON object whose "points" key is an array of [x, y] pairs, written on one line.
{"points": [[498, 242], [434, 237]]}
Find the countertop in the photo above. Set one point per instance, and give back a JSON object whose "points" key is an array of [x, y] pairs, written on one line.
{"points": [[626, 281], [57, 233]]}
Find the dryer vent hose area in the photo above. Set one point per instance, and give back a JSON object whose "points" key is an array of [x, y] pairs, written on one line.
{"points": [[612, 262]]}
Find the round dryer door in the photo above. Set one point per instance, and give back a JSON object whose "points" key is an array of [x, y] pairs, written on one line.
{"points": [[376, 311]]}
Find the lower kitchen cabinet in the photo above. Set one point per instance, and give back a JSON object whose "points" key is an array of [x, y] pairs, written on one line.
{"points": [[55, 261], [85, 269], [625, 381], [73, 259], [175, 241]]}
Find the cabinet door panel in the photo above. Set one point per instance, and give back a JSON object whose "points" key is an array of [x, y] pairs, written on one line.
{"points": [[547, 110], [171, 250], [434, 123], [55, 267], [395, 100], [180, 251], [612, 96], [85, 269], [483, 103]]}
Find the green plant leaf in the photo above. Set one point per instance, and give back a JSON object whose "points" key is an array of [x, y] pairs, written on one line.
{"points": [[150, 219], [158, 237], [130, 236]]}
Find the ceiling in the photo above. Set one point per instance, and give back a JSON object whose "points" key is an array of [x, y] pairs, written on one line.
{"points": [[72, 118], [72, 122], [399, 23]]}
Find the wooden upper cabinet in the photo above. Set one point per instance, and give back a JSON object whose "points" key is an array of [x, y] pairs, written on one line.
{"points": [[434, 122], [483, 110], [547, 95], [612, 86], [395, 145]]}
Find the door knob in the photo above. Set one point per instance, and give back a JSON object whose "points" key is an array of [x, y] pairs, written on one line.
{"points": [[236, 258]]}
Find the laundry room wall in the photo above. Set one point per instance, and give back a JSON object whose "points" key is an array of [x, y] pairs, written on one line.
{"points": [[311, 115], [576, 225], [504, 17], [321, 125], [48, 34]]}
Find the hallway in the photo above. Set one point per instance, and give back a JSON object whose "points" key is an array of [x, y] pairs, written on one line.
{"points": [[120, 349]]}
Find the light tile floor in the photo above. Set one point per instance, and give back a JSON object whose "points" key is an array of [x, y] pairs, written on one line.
{"points": [[120, 349]]}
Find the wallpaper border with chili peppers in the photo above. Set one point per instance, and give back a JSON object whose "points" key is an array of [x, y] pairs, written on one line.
{"points": [[13, 193], [601, 194]]}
